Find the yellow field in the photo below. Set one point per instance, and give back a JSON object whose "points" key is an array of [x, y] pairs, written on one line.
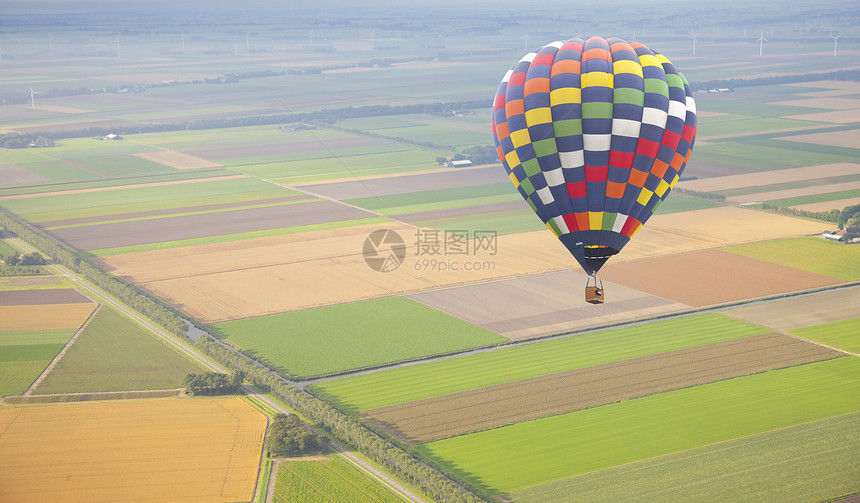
{"points": [[44, 316], [131, 451], [254, 277], [177, 160]]}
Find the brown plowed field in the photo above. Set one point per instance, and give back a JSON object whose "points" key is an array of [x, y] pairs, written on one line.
{"points": [[51, 296], [802, 311], [711, 277], [112, 235], [458, 413]]}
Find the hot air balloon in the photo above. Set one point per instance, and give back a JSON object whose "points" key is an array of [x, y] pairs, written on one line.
{"points": [[594, 134]]}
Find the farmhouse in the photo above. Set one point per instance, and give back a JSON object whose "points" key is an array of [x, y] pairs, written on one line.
{"points": [[833, 236], [459, 164]]}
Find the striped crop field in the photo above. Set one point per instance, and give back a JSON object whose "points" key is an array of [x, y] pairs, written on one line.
{"points": [[131, 450], [329, 481], [816, 461], [515, 457], [505, 365]]}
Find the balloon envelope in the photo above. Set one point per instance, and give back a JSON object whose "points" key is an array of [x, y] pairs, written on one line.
{"points": [[594, 134]]}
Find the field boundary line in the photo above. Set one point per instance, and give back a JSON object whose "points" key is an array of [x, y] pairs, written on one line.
{"points": [[847, 353], [62, 352]]}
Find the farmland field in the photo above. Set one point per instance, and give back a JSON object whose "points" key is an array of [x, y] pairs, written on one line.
{"points": [[400, 385], [802, 311], [807, 254], [352, 336], [816, 461], [751, 180], [115, 354], [25, 354], [525, 454], [699, 278], [493, 406], [331, 480], [85, 452], [44, 316], [844, 335]]}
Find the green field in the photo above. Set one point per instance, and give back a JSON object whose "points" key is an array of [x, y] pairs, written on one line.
{"points": [[844, 335], [816, 461], [815, 198], [503, 222], [180, 213], [406, 384], [534, 452], [429, 200], [676, 203], [333, 339], [741, 123], [25, 354], [331, 480], [808, 254], [346, 163], [6, 248], [753, 157], [141, 198], [114, 353], [188, 174]]}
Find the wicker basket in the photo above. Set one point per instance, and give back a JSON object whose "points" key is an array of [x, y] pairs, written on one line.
{"points": [[593, 295]]}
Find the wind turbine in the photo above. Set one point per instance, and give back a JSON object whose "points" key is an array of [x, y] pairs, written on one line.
{"points": [[835, 40], [526, 42], [761, 40], [693, 36], [32, 97]]}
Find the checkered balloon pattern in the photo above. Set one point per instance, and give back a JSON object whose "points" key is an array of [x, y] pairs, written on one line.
{"points": [[594, 134]]}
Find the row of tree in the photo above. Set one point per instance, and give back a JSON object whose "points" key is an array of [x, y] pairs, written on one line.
{"points": [[65, 256], [214, 383], [289, 436], [18, 140]]}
